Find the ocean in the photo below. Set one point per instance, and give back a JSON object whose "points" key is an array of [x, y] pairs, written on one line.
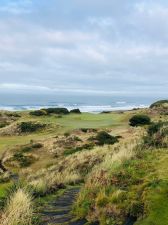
{"points": [[87, 103]]}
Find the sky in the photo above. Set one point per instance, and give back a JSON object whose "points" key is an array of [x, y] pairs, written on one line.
{"points": [[98, 47]]}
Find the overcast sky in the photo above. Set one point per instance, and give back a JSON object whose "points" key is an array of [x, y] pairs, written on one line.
{"points": [[84, 46]]}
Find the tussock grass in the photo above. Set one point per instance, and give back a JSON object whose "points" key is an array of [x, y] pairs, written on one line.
{"points": [[52, 180], [19, 210]]}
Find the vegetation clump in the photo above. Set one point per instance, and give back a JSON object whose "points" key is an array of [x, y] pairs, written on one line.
{"points": [[78, 149], [37, 145], [63, 111], [161, 103], [13, 114], [139, 120], [103, 138], [38, 113], [28, 127], [157, 135], [3, 124], [77, 111], [23, 160], [87, 130], [48, 111]]}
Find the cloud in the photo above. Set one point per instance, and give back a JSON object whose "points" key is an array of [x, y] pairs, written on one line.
{"points": [[108, 47]]}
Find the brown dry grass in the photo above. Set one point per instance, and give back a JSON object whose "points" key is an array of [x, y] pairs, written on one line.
{"points": [[18, 209]]}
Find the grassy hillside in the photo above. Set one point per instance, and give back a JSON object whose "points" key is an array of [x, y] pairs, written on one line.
{"points": [[122, 170]]}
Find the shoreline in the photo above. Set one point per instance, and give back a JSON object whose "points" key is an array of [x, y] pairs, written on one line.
{"points": [[84, 109]]}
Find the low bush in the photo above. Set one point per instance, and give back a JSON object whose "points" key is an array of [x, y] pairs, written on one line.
{"points": [[75, 138], [10, 114], [103, 138], [37, 145], [84, 130], [27, 127], [26, 149], [24, 161], [66, 134], [157, 135], [63, 111], [44, 112], [139, 120], [38, 113], [78, 149], [3, 124], [77, 111]]}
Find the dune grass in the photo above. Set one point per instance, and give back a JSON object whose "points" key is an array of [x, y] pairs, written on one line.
{"points": [[19, 209]]}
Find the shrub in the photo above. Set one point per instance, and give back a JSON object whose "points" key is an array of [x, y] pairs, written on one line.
{"points": [[13, 114], [139, 120], [24, 161], [77, 139], [37, 145], [159, 103], [19, 209], [38, 113], [105, 138], [77, 111], [78, 149], [56, 111], [26, 149], [3, 124], [26, 127], [84, 130], [66, 134], [157, 134]]}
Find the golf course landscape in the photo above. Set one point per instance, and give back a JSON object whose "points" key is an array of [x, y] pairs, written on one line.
{"points": [[68, 167]]}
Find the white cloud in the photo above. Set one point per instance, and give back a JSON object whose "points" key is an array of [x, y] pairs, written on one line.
{"points": [[110, 48]]}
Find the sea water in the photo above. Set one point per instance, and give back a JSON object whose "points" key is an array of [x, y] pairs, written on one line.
{"points": [[87, 103]]}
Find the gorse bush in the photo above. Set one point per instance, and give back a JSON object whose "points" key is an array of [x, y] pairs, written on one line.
{"points": [[56, 111], [27, 127], [78, 149], [37, 145], [23, 160], [139, 120], [105, 138], [157, 135], [38, 113], [44, 112], [77, 111]]}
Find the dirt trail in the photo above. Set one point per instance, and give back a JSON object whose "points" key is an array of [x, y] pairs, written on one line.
{"points": [[58, 212]]}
